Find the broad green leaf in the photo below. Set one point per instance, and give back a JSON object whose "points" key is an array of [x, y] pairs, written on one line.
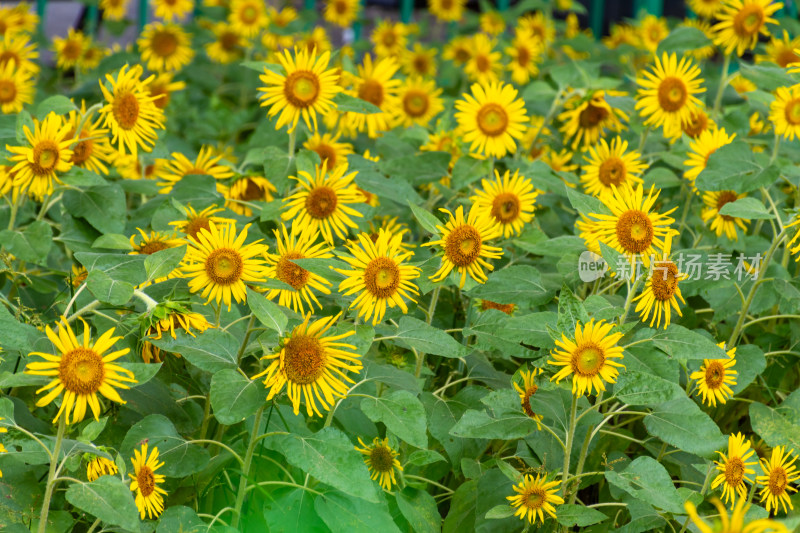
{"points": [[610, 256], [292, 511], [556, 246], [570, 312], [747, 208], [180, 519], [163, 262], [515, 284], [345, 513], [197, 190], [647, 480], [212, 350], [31, 244], [571, 515], [461, 515], [113, 241], [682, 424], [773, 427], [120, 267], [108, 499], [345, 102], [640, 388], [468, 170], [180, 458], [420, 509], [413, 333], [24, 120], [424, 457], [102, 206], [395, 190], [263, 66], [585, 204], [423, 167], [767, 77], [271, 211], [683, 39], [321, 266], [750, 363], [531, 329], [500, 511], [58, 104], [425, 219], [107, 289], [278, 165], [142, 372], [678, 342], [234, 397], [480, 425], [266, 311], [403, 415], [734, 167]]}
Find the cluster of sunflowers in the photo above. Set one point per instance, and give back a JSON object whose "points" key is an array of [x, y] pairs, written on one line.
{"points": [[164, 203]]}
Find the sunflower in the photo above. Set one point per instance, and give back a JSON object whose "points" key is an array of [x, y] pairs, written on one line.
{"points": [[464, 247], [528, 389], [585, 120], [100, 466], [161, 88], [170, 10], [742, 85], [379, 274], [736, 520], [6, 180], [540, 25], [312, 365], [698, 123], [524, 54], [193, 221], [741, 21], [381, 460], [420, 61], [9, 21], [708, 142], [447, 10], [206, 164], [492, 117], [48, 153], [375, 84], [16, 88], [130, 168], [418, 102], [714, 202], [390, 225], [509, 200], [621, 34], [248, 17], [652, 30], [559, 161], [165, 47], [757, 126], [484, 65], [218, 263], [306, 89], [2, 448], [535, 495], [666, 96], [315, 41], [153, 242], [703, 52], [144, 480], [734, 468], [26, 19], [492, 23], [18, 50], [69, 49], [80, 371], [114, 9], [706, 8], [715, 378], [78, 276], [130, 111], [784, 112], [331, 152], [389, 38], [322, 201], [779, 471], [589, 357], [228, 46], [662, 291], [282, 17], [781, 51], [240, 196], [458, 50], [794, 243], [94, 150], [92, 57], [343, 13], [163, 319], [608, 165]]}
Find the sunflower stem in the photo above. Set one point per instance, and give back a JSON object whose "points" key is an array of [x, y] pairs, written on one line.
{"points": [[723, 82], [629, 299], [51, 476], [247, 334], [687, 206], [149, 302], [568, 445], [702, 493], [15, 204], [248, 461], [431, 310], [82, 123], [292, 140], [584, 450]]}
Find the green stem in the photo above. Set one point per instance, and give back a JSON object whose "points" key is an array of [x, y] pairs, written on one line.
{"points": [[568, 445], [431, 310], [629, 299], [15, 205], [775, 149], [723, 82], [248, 460], [702, 493], [247, 334], [584, 450], [51, 476], [292, 141], [686, 209], [149, 302]]}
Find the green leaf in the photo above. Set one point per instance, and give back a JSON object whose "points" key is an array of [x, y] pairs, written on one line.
{"points": [[678, 342], [413, 333], [234, 397], [640, 388], [113, 241], [530, 329], [197, 190], [570, 312], [571, 515], [395, 190], [24, 120], [515, 284], [321, 266], [31, 244], [345, 102], [163, 262], [180, 458], [747, 208], [329, 456], [610, 256], [420, 509], [180, 519], [142, 372], [108, 290], [733, 167], [278, 166], [119, 267], [647, 480], [292, 510], [262, 66], [586, 205], [766, 77], [343, 513], [425, 219], [479, 425], [403, 415], [773, 427], [212, 350], [682, 424], [423, 167], [683, 39], [266, 311], [500, 511], [468, 170], [58, 104], [424, 457], [108, 499], [271, 211], [102, 206]]}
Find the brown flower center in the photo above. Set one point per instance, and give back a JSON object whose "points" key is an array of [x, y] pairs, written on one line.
{"points": [[592, 116], [672, 94], [340, 7], [160, 95], [785, 57], [304, 359], [229, 41], [248, 14], [492, 119], [224, 266], [382, 277], [697, 124], [526, 400], [301, 88], [45, 158], [483, 63], [82, 151], [371, 91], [664, 280], [421, 64], [778, 481], [523, 56], [321, 202], [381, 459], [734, 471], [612, 171], [327, 155], [587, 360], [792, 111], [505, 207], [462, 55], [8, 55], [726, 197], [81, 371], [290, 273], [715, 374], [534, 498], [164, 43], [72, 50], [253, 191], [447, 4], [634, 231], [8, 91], [194, 225], [151, 247], [146, 481], [415, 103], [748, 21], [463, 245], [126, 110]]}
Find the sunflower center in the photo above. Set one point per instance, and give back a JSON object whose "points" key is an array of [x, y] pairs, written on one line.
{"points": [[372, 92], [321, 202], [389, 39], [148, 170], [72, 50], [592, 116], [45, 157], [380, 457], [415, 103], [492, 119], [382, 277], [194, 225], [483, 63], [526, 400], [463, 245], [523, 56], [697, 124], [715, 374], [505, 207], [665, 281], [748, 20], [82, 151], [152, 247], [228, 41], [327, 155], [726, 197], [535, 498], [253, 191], [160, 95], [421, 64], [785, 57], [164, 44], [301, 88], [462, 55], [447, 4], [792, 111], [612, 171], [146, 481], [672, 94], [304, 359], [126, 110], [777, 481], [634, 231], [8, 91], [248, 14], [588, 359], [734, 471], [81, 371], [224, 266], [340, 7], [290, 273]]}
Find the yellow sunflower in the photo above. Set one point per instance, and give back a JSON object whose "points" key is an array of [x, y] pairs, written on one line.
{"points": [[698, 123], [170, 10], [228, 46], [94, 150], [218, 263], [484, 65], [80, 371], [161, 88], [527, 390], [559, 161], [145, 482], [165, 47], [418, 102], [652, 30], [389, 38], [662, 290], [420, 61], [701, 149], [585, 120], [69, 49], [716, 377], [736, 520], [608, 165], [317, 40], [492, 117], [784, 112], [130, 111], [100, 466], [535, 496], [47, 154], [379, 274], [78, 275], [589, 357], [741, 21], [734, 468], [703, 52], [312, 366], [375, 84], [464, 245], [248, 17], [331, 152], [306, 89], [706, 8], [155, 241], [193, 221], [27, 20], [282, 17], [781, 51], [621, 34], [381, 460], [447, 10], [524, 54], [714, 202], [539, 24], [9, 21], [458, 50], [18, 50], [666, 96], [6, 180], [17, 88], [492, 23], [343, 13], [207, 163], [240, 196], [114, 9], [130, 168], [322, 201], [509, 200], [2, 448], [390, 225], [742, 85], [163, 319], [92, 57], [779, 471]]}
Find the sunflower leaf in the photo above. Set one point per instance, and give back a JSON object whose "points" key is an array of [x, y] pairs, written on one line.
{"points": [[266, 311], [682, 424], [403, 415], [180, 458], [345, 102], [234, 397], [647, 480], [425, 219], [58, 104], [108, 499], [746, 208], [416, 334], [571, 515], [163, 262]]}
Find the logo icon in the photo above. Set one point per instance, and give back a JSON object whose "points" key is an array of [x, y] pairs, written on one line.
{"points": [[591, 266]]}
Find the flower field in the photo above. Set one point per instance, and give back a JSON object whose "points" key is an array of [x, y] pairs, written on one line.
{"points": [[284, 270]]}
